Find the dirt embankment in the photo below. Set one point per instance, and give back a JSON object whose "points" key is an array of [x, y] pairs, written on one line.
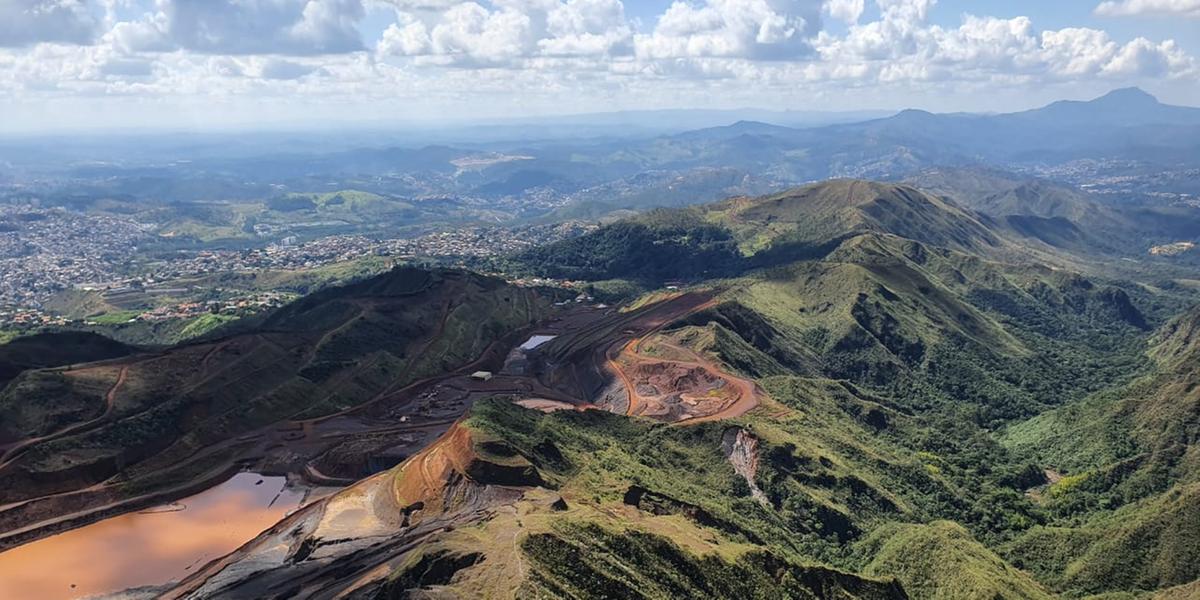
{"points": [[459, 454]]}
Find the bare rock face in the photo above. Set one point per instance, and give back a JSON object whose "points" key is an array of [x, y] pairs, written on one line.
{"points": [[741, 449]]}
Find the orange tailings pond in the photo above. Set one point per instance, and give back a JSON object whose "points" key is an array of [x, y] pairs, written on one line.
{"points": [[151, 547]]}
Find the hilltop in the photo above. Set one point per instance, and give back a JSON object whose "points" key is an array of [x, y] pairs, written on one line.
{"points": [[864, 468], [56, 349], [735, 235]]}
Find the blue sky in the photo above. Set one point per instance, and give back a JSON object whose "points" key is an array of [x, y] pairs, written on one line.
{"points": [[168, 63]]}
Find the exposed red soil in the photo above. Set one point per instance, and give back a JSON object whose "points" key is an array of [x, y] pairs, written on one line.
{"points": [[423, 477], [691, 389]]}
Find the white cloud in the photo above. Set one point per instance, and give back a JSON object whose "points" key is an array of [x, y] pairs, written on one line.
{"points": [[750, 29], [406, 39], [279, 69], [471, 33], [1128, 8], [587, 28], [1077, 52], [232, 27], [26, 22], [507, 33], [588, 54], [901, 44], [849, 11]]}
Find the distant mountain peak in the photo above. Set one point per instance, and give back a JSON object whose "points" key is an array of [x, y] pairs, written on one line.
{"points": [[913, 114], [1130, 96]]}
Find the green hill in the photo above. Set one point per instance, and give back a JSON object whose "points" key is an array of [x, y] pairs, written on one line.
{"points": [[1129, 496], [896, 452], [941, 561], [659, 245], [739, 234], [1064, 218], [824, 213]]}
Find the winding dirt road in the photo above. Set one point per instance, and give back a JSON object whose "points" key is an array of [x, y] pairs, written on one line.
{"points": [[109, 403]]}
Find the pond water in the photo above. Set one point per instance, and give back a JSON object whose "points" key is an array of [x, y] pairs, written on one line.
{"points": [[151, 547]]}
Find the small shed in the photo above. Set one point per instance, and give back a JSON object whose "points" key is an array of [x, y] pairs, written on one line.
{"points": [[481, 375]]}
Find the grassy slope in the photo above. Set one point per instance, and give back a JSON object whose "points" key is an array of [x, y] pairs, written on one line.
{"points": [[941, 561], [843, 463], [891, 364], [815, 215], [832, 482]]}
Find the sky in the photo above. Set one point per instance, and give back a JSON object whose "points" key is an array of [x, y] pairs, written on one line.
{"points": [[230, 64]]}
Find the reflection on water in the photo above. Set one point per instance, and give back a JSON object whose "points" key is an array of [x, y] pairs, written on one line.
{"points": [[152, 547]]}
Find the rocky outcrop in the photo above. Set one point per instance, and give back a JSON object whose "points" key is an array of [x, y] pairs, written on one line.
{"points": [[741, 448]]}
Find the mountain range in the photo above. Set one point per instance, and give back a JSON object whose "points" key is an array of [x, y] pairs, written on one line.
{"points": [[1124, 133]]}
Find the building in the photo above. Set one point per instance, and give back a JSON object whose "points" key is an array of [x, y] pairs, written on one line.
{"points": [[481, 375]]}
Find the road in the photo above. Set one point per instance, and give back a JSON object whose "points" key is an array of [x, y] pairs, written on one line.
{"points": [[109, 403]]}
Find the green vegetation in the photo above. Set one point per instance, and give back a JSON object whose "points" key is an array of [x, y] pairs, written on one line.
{"points": [[941, 561], [588, 561], [836, 475], [204, 324], [653, 247], [945, 415], [1143, 546], [934, 394]]}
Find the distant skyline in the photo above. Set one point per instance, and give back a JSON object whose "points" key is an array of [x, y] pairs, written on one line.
{"points": [[227, 64]]}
